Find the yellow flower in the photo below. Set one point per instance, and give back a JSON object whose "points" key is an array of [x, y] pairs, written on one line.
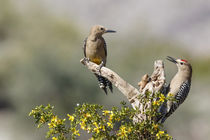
{"points": [[60, 121], [31, 113], [88, 129], [122, 128], [83, 125], [102, 127], [54, 119], [110, 124], [155, 126], [96, 130], [156, 103], [105, 112], [75, 132], [42, 119], [54, 138], [71, 118], [111, 116], [87, 115], [95, 124], [123, 132], [159, 134], [162, 98], [84, 120], [51, 125]]}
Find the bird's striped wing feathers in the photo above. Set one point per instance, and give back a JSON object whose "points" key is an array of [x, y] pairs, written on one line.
{"points": [[180, 97], [183, 92]]}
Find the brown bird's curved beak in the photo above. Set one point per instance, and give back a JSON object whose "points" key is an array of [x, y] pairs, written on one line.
{"points": [[171, 59], [110, 31]]}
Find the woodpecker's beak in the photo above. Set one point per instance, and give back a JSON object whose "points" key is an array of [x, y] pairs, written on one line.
{"points": [[110, 31], [171, 59]]}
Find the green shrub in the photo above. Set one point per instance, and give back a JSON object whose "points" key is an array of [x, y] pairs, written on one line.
{"points": [[101, 123]]}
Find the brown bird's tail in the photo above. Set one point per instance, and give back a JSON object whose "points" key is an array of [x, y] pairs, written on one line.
{"points": [[103, 83]]}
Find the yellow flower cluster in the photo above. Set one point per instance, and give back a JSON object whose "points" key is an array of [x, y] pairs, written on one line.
{"points": [[155, 126], [123, 132], [32, 112], [42, 119], [162, 98], [87, 115], [55, 121], [71, 118], [75, 132], [111, 116], [159, 134], [102, 127], [162, 134], [98, 128], [156, 103], [160, 101], [54, 138], [106, 112], [110, 124], [83, 125]]}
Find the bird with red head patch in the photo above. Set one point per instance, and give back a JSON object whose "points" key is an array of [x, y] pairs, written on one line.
{"points": [[178, 88]]}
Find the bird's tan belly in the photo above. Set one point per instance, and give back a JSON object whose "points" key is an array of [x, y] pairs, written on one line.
{"points": [[96, 54], [175, 85]]}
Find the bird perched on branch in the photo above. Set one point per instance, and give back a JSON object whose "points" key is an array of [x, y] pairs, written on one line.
{"points": [[179, 86], [95, 50]]}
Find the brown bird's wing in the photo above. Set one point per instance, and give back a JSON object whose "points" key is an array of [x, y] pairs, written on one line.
{"points": [[84, 46], [105, 48]]}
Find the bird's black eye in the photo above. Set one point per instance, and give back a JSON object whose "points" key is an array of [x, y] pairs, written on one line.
{"points": [[181, 63], [102, 28]]}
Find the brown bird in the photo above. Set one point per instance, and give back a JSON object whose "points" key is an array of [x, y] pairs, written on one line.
{"points": [[95, 51]]}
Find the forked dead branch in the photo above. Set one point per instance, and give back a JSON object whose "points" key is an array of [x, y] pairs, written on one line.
{"points": [[152, 84]]}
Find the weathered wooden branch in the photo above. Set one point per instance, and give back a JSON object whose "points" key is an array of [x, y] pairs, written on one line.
{"points": [[153, 84], [128, 90]]}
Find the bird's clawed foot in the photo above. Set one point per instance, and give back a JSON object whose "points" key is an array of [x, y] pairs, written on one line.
{"points": [[99, 68], [87, 59]]}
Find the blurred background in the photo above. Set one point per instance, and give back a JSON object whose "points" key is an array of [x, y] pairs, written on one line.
{"points": [[41, 45]]}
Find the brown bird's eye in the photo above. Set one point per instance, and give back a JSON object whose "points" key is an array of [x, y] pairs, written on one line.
{"points": [[181, 63]]}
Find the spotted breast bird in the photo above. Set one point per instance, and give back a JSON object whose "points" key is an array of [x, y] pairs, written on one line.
{"points": [[95, 50]]}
